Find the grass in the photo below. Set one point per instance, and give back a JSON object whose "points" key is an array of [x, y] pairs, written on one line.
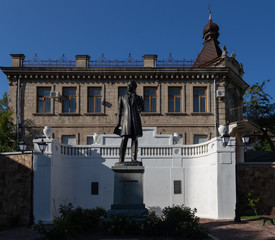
{"points": [[254, 218]]}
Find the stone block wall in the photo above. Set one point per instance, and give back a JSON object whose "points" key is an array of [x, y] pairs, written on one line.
{"points": [[258, 179], [15, 187], [82, 122]]}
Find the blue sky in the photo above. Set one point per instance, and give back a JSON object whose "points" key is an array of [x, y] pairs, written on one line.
{"points": [[119, 27]]}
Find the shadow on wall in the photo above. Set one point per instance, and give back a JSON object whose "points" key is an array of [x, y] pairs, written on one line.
{"points": [[30, 131], [84, 181], [15, 188]]}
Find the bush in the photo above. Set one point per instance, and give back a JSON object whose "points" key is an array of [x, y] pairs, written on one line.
{"points": [[252, 202], [182, 221], [153, 226], [122, 225], [176, 221], [74, 222]]}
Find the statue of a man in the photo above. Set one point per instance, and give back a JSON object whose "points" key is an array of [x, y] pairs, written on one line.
{"points": [[130, 106]]}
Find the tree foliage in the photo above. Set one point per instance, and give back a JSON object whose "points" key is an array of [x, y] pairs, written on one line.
{"points": [[261, 110], [7, 130]]}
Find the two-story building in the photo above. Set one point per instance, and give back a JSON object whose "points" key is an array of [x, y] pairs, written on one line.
{"points": [[79, 98]]}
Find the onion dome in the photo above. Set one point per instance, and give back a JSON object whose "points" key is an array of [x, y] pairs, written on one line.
{"points": [[211, 30]]}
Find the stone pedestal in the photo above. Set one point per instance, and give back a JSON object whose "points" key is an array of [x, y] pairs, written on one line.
{"points": [[128, 190]]}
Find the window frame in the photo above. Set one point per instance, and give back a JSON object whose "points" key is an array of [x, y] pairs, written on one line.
{"points": [[44, 100], [88, 100], [150, 98], [71, 96], [177, 187], [94, 188], [73, 136], [200, 135], [234, 108], [118, 91], [181, 98], [199, 99]]}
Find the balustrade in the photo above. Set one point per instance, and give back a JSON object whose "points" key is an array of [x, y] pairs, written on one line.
{"points": [[153, 151]]}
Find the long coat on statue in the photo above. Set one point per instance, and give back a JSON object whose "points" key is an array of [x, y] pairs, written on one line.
{"points": [[130, 105]]}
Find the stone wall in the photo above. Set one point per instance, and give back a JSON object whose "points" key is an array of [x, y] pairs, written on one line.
{"points": [[83, 123], [15, 187], [259, 179]]}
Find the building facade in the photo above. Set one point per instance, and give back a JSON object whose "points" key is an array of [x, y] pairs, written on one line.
{"points": [[79, 98]]}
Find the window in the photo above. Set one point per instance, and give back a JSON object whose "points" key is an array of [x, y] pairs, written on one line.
{"points": [[95, 99], [177, 187], [122, 91], [43, 100], [69, 104], [150, 99], [174, 99], [199, 100], [233, 110], [68, 139], [90, 140], [200, 139], [94, 188]]}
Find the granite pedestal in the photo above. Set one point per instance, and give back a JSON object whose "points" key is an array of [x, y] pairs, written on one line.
{"points": [[128, 190]]}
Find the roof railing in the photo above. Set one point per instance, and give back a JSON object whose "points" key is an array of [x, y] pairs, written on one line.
{"points": [[103, 62]]}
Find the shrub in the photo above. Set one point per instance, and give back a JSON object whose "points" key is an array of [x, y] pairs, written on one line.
{"points": [[252, 202], [153, 225], [74, 222], [182, 221], [176, 221], [122, 225]]}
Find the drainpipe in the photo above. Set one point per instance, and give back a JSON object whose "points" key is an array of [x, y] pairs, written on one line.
{"points": [[31, 220], [18, 109], [215, 107]]}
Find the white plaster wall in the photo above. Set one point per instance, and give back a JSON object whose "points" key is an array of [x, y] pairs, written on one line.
{"points": [[201, 185], [42, 188], [73, 178], [208, 179]]}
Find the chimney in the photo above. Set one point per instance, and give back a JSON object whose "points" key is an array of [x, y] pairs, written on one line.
{"points": [[82, 61], [150, 61], [17, 60]]}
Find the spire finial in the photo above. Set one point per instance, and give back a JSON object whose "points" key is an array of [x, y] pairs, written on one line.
{"points": [[209, 9]]}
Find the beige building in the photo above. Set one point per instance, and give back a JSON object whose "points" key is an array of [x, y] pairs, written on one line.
{"points": [[79, 98]]}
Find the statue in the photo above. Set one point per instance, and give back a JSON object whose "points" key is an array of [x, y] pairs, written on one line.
{"points": [[130, 106]]}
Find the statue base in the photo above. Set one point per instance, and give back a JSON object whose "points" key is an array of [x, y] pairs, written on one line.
{"points": [[128, 190], [132, 163]]}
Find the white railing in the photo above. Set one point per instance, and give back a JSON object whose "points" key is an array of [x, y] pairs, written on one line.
{"points": [[156, 151], [150, 151], [195, 150]]}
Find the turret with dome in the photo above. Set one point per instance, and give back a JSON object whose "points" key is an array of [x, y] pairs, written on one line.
{"points": [[211, 49]]}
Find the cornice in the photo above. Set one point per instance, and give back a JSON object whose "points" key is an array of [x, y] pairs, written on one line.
{"points": [[119, 74], [237, 80], [114, 73], [97, 125]]}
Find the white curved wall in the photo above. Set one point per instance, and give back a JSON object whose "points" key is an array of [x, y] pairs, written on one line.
{"points": [[207, 173]]}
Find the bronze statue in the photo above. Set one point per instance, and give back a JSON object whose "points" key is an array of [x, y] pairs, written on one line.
{"points": [[130, 106]]}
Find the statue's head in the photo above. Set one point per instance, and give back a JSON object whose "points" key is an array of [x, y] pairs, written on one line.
{"points": [[132, 86]]}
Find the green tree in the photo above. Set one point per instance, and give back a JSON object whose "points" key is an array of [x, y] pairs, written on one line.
{"points": [[7, 130], [261, 111]]}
